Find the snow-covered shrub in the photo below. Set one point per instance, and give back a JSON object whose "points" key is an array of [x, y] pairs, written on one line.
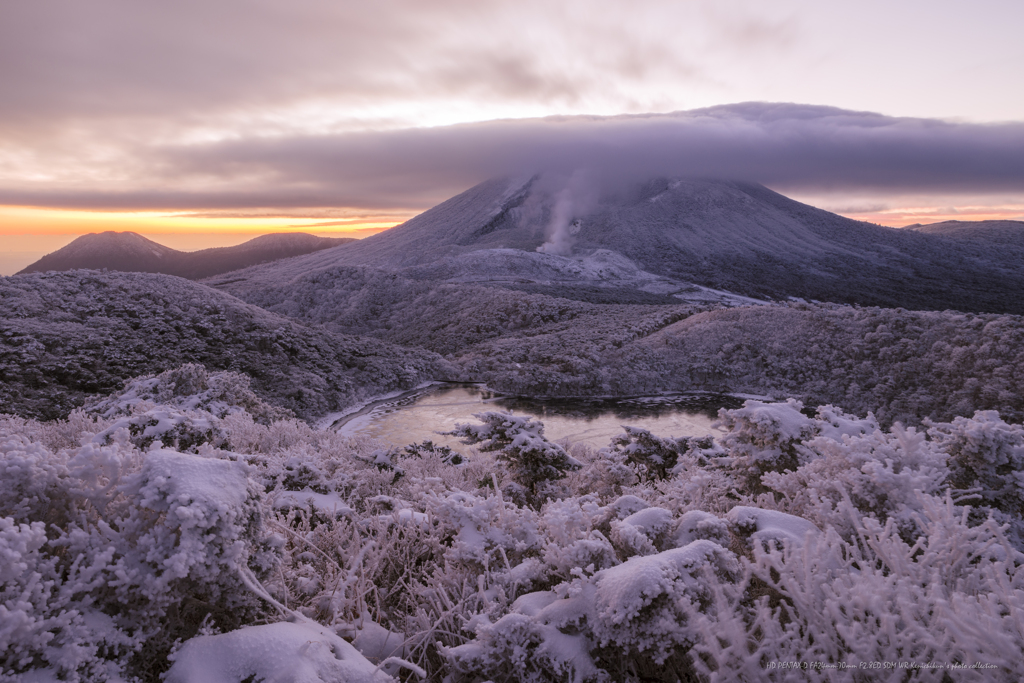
{"points": [[697, 525], [184, 430], [115, 552], [246, 435], [183, 533], [48, 619], [426, 448], [561, 563], [530, 644], [642, 533], [211, 521], [770, 527], [987, 459], [606, 472], [949, 598], [877, 472], [765, 437], [518, 440], [57, 435], [190, 387], [644, 607], [182, 408], [623, 620], [811, 465], [45, 622], [483, 528], [34, 481]]}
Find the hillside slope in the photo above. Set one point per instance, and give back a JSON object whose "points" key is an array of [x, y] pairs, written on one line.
{"points": [[131, 252], [66, 335], [901, 365]]}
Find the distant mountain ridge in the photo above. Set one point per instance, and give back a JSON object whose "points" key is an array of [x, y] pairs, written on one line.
{"points": [[131, 252], [1006, 233], [733, 236]]}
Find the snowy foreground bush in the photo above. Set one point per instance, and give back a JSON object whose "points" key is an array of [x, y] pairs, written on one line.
{"points": [[163, 535]]}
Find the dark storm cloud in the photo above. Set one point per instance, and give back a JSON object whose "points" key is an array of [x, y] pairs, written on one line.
{"points": [[792, 148]]}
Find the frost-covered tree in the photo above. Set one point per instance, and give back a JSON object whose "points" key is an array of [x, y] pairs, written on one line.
{"points": [[518, 441], [654, 456]]}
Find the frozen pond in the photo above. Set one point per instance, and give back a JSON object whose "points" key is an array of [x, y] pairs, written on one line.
{"points": [[419, 415]]}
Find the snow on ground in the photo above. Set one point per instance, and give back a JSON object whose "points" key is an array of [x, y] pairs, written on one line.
{"points": [[787, 538], [600, 268]]}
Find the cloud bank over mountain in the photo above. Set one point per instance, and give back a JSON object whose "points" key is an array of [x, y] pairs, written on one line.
{"points": [[789, 147], [387, 109]]}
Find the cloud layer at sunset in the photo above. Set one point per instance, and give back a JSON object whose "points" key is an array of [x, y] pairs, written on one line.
{"points": [[791, 148], [320, 112]]}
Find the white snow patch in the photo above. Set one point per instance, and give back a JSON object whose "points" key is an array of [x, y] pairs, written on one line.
{"points": [[405, 516], [781, 419], [531, 604], [327, 503], [373, 641], [772, 525], [624, 590], [695, 525], [624, 506], [192, 479], [285, 652]]}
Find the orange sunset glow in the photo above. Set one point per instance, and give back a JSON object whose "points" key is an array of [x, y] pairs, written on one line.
{"points": [[28, 233], [902, 217], [15, 220]]}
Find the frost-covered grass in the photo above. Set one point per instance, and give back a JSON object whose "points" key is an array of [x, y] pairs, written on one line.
{"points": [[202, 535]]}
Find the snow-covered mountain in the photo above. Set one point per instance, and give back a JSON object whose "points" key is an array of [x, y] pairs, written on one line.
{"points": [[131, 252], [738, 237]]}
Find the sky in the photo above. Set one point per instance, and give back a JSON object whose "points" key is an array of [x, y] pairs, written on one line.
{"points": [[203, 124]]}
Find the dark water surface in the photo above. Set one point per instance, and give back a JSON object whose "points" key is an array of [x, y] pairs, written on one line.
{"points": [[418, 416]]}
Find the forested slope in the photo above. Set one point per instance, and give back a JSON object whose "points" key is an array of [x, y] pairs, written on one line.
{"points": [[995, 232], [902, 365], [449, 317], [66, 335]]}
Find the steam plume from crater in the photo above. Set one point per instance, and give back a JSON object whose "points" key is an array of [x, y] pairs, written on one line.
{"points": [[576, 196]]}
